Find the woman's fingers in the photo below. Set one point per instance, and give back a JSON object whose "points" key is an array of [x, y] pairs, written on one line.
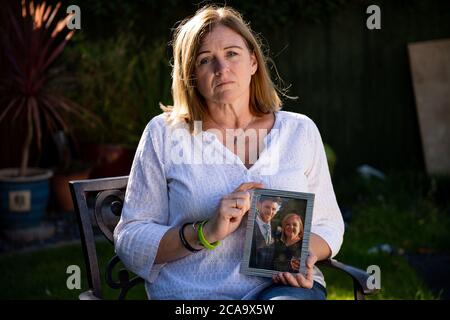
{"points": [[282, 279], [304, 282], [238, 194], [291, 280], [237, 202], [311, 260], [249, 185], [294, 280], [298, 279], [232, 208], [241, 192], [233, 203], [240, 200], [275, 278]]}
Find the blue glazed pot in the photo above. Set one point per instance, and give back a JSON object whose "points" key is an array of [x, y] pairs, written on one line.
{"points": [[23, 200]]}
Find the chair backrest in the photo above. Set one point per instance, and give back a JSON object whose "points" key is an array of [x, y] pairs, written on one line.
{"points": [[98, 203]]}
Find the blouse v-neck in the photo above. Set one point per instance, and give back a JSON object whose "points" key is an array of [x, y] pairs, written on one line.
{"points": [[268, 141]]}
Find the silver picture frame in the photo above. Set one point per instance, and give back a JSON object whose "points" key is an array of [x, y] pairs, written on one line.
{"points": [[287, 203]]}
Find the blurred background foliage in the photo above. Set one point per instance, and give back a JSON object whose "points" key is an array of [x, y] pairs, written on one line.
{"points": [[122, 81], [353, 82]]}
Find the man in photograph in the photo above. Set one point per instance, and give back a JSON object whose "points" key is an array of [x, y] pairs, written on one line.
{"points": [[264, 234]]}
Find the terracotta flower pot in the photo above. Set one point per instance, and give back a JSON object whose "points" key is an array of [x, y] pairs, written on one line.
{"points": [[61, 190], [110, 160]]}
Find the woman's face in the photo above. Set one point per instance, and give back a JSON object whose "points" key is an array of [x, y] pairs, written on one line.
{"points": [[224, 67], [291, 227]]}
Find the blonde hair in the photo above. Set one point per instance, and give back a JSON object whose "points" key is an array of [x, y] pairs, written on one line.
{"points": [[188, 103], [283, 222]]}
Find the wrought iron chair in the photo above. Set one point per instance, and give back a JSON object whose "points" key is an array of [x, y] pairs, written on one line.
{"points": [[98, 203]]}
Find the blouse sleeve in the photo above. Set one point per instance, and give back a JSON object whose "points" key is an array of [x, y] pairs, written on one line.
{"points": [[144, 219], [327, 219]]}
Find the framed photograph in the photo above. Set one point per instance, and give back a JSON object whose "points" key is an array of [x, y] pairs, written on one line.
{"points": [[278, 230]]}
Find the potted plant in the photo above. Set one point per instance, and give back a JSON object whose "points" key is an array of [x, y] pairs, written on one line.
{"points": [[34, 38]]}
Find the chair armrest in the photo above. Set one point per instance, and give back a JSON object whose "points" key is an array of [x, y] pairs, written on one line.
{"points": [[88, 295], [359, 276]]}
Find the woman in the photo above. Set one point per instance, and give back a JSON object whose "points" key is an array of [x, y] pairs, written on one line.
{"points": [[289, 246], [182, 227]]}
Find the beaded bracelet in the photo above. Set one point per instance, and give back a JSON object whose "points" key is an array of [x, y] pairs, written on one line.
{"points": [[184, 241], [202, 239]]}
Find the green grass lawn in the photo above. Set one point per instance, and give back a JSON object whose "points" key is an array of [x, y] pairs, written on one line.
{"points": [[42, 274], [402, 211]]}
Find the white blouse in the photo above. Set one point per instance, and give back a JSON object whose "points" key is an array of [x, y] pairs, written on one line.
{"points": [[177, 177]]}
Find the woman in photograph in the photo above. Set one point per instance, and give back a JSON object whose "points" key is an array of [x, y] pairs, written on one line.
{"points": [[183, 221], [289, 245]]}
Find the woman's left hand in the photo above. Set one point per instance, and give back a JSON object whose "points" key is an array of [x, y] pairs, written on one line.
{"points": [[297, 279]]}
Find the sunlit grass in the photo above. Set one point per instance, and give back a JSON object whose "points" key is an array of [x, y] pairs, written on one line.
{"points": [[401, 211]]}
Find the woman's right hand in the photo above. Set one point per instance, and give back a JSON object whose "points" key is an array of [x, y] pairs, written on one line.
{"points": [[231, 210]]}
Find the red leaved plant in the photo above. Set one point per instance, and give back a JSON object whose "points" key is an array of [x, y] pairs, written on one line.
{"points": [[36, 38]]}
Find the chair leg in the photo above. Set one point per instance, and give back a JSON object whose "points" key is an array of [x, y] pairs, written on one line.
{"points": [[359, 295]]}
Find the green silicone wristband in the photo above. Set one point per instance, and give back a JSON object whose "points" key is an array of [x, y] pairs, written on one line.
{"points": [[203, 241]]}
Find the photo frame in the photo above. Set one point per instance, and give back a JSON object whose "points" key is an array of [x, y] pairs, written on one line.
{"points": [[274, 241]]}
